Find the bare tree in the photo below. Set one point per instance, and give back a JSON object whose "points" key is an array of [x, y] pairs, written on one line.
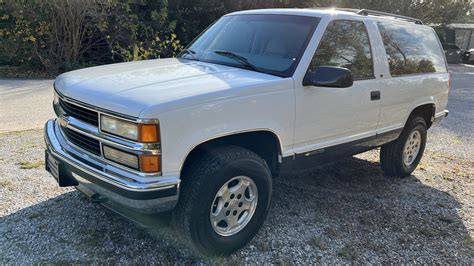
{"points": [[70, 25]]}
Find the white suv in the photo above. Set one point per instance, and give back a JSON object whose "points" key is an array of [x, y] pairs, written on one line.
{"points": [[204, 134]]}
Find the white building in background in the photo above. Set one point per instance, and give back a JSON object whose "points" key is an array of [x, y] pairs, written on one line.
{"points": [[461, 34]]}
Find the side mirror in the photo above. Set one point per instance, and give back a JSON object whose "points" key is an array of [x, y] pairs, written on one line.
{"points": [[329, 76]]}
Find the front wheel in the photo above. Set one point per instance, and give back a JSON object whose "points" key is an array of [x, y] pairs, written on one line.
{"points": [[401, 157], [224, 200]]}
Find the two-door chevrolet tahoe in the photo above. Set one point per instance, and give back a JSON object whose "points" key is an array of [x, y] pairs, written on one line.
{"points": [[203, 134]]}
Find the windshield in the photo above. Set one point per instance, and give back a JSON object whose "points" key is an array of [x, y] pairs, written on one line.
{"points": [[271, 44]]}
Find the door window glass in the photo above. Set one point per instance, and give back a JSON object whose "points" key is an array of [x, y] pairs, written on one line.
{"points": [[345, 44]]}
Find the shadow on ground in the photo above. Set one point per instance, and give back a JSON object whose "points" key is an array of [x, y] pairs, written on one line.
{"points": [[348, 211]]}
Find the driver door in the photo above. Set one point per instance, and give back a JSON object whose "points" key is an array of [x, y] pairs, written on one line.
{"points": [[328, 116]]}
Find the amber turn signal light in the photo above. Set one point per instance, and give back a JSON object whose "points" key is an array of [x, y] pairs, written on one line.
{"points": [[148, 133], [150, 163]]}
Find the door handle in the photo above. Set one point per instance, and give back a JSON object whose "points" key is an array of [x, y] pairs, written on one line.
{"points": [[375, 95]]}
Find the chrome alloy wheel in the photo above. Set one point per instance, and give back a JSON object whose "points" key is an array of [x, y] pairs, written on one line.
{"points": [[412, 148], [234, 206]]}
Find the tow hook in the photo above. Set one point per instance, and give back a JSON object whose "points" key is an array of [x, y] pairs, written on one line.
{"points": [[97, 198]]}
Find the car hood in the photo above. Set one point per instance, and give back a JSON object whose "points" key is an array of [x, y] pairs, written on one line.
{"points": [[161, 84]]}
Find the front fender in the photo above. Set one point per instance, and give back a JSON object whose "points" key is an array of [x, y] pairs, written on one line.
{"points": [[184, 129]]}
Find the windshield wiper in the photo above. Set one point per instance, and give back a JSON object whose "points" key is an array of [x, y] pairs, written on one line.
{"points": [[242, 60], [190, 52]]}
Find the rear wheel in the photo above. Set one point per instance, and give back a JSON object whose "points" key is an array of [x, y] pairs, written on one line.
{"points": [[224, 200], [401, 157]]}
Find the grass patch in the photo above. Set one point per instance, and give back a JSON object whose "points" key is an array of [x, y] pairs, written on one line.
{"points": [[5, 183], [17, 72], [447, 220], [347, 253], [263, 246], [34, 216], [469, 241], [229, 261], [285, 262], [316, 242], [429, 232], [31, 165]]}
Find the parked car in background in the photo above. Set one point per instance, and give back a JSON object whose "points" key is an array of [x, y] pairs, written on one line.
{"points": [[468, 56], [453, 53], [204, 134]]}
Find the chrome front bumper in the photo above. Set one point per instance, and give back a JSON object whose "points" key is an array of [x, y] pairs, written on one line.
{"points": [[106, 183]]}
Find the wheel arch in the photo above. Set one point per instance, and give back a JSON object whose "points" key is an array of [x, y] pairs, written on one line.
{"points": [[263, 142], [426, 111]]}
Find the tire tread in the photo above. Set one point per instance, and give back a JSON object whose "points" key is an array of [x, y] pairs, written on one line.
{"points": [[390, 159], [195, 177]]}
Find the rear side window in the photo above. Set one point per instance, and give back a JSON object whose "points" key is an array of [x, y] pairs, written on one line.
{"points": [[346, 44], [411, 50]]}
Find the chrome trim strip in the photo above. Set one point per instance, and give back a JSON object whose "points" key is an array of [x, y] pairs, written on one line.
{"points": [[438, 117], [128, 182], [388, 129], [93, 132], [443, 113]]}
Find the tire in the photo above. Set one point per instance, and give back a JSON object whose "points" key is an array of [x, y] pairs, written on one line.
{"points": [[202, 180], [392, 158]]}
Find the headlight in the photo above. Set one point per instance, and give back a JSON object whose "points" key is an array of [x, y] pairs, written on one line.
{"points": [[119, 127], [138, 132]]}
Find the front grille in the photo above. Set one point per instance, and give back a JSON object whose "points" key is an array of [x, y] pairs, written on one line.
{"points": [[89, 144], [80, 113]]}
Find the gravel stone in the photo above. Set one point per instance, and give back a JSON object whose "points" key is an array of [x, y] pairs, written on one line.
{"points": [[344, 212]]}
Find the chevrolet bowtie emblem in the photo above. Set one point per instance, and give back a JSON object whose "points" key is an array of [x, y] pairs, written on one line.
{"points": [[63, 121]]}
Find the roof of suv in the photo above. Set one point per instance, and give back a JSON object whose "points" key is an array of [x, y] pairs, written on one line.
{"points": [[366, 14]]}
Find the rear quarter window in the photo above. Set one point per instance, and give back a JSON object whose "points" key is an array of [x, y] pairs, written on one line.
{"points": [[411, 49]]}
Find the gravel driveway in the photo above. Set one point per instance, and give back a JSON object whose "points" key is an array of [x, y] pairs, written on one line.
{"points": [[340, 213]]}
